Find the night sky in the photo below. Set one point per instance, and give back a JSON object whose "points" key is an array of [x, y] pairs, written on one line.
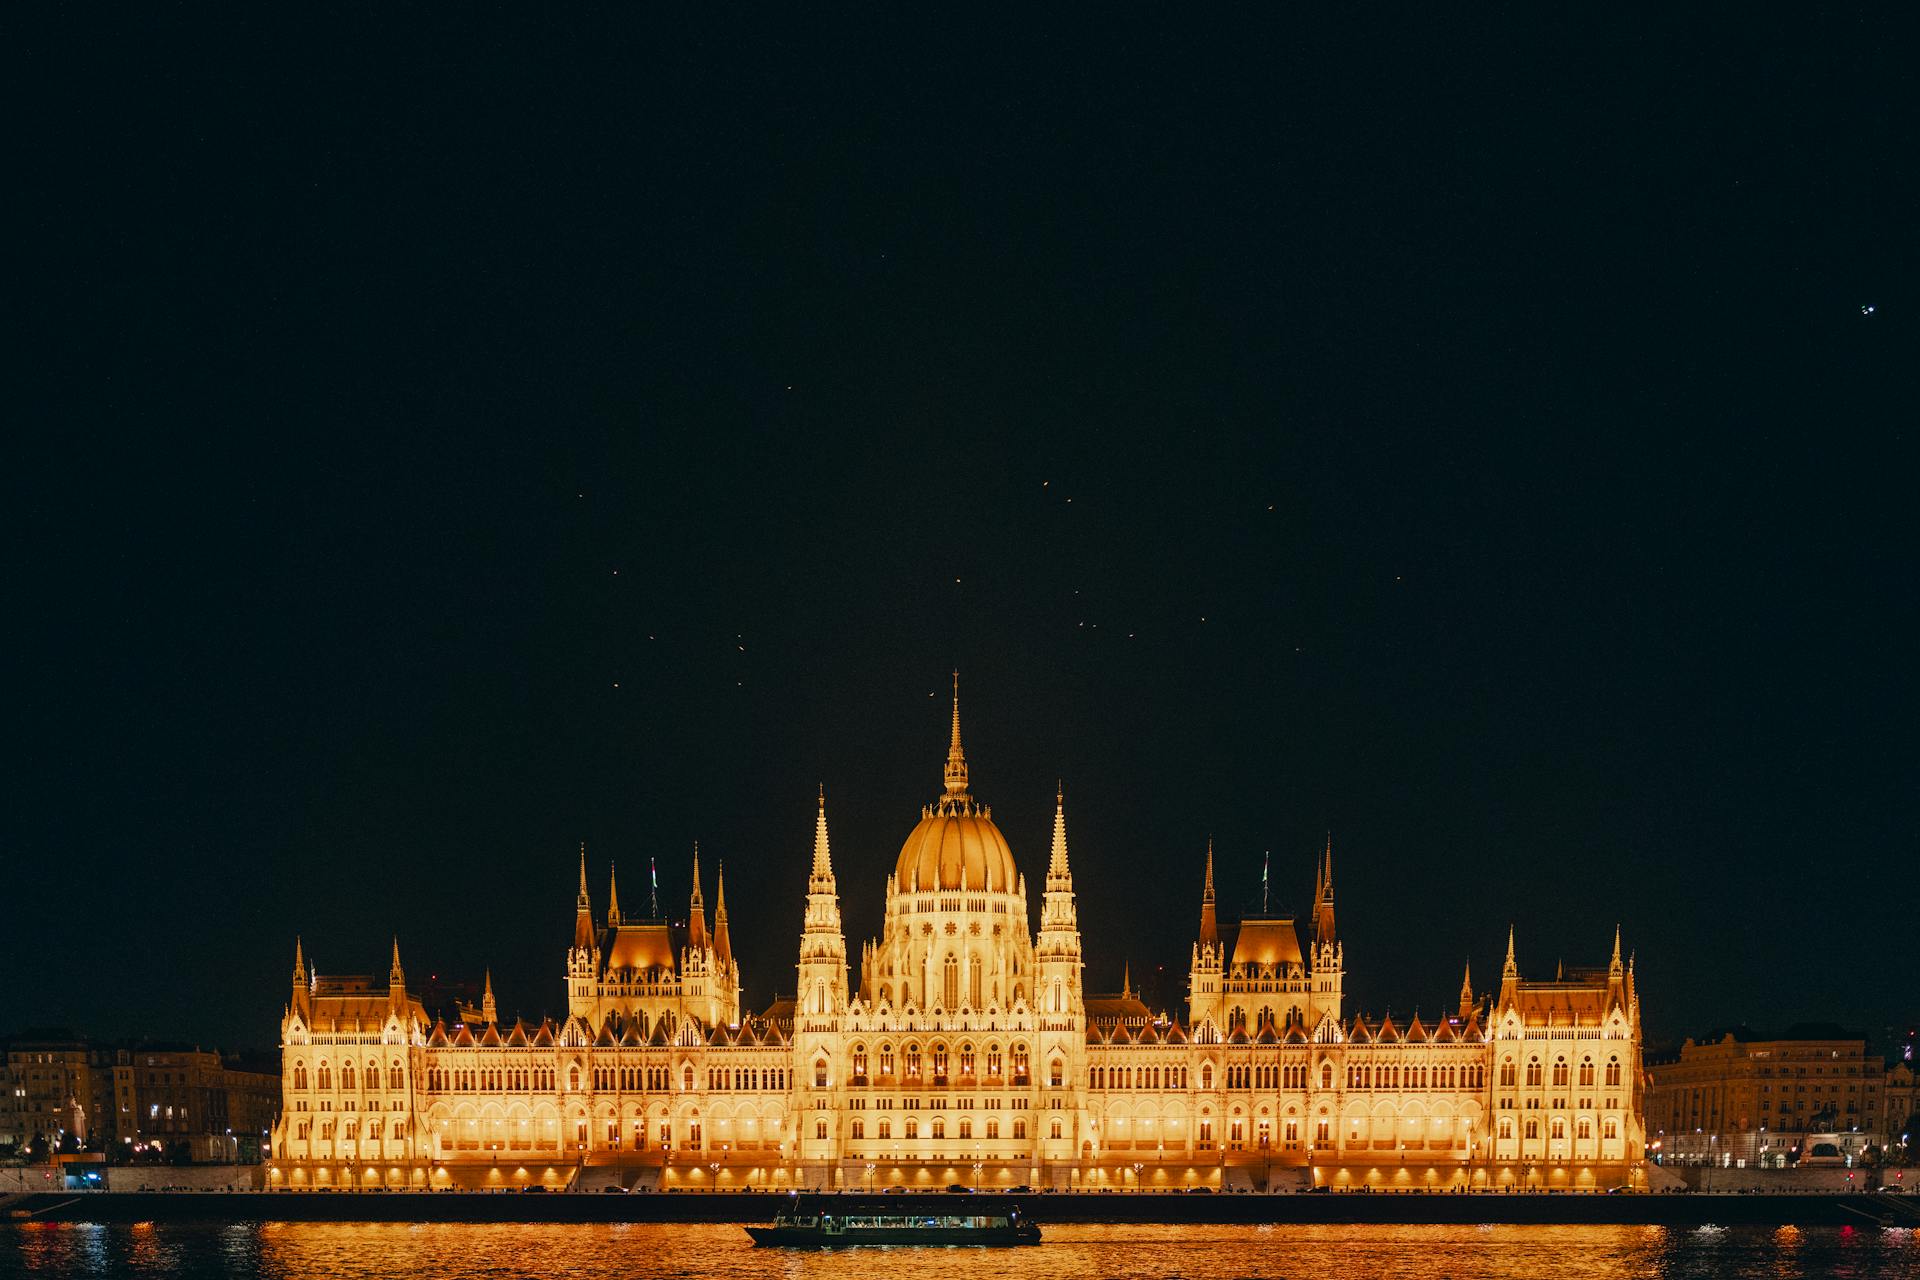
{"points": [[1490, 444]]}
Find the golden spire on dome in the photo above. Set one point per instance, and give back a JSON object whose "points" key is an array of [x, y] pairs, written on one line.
{"points": [[956, 758]]}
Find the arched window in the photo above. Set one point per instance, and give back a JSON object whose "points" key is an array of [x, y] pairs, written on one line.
{"points": [[1613, 1071], [1020, 1064], [326, 1076], [966, 1059], [346, 1075], [1206, 1076], [974, 990], [993, 1060], [1586, 1073], [1507, 1072], [573, 1078], [1560, 1072], [299, 1075], [1056, 1073], [1326, 1076], [686, 1078], [886, 1129], [913, 1061], [940, 1062], [950, 982], [913, 1128], [993, 1130], [1019, 1129], [859, 1062], [819, 1073], [966, 1128], [373, 1077], [939, 1127], [1055, 1129], [1533, 1071], [886, 1059]]}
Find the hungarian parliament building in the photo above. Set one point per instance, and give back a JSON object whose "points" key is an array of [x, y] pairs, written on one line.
{"points": [[966, 1052]]}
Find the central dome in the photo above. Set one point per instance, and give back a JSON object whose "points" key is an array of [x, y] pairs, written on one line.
{"points": [[955, 850], [956, 845]]}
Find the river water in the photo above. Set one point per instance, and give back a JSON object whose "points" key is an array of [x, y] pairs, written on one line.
{"points": [[337, 1251]]}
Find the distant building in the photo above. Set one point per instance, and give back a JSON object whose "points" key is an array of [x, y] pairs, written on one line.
{"points": [[135, 1102], [1750, 1099], [966, 1050]]}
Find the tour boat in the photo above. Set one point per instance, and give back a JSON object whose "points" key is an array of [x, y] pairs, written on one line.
{"points": [[819, 1221]]}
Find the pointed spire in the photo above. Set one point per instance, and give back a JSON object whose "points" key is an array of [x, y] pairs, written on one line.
{"points": [[487, 1008], [1509, 967], [1057, 863], [1209, 920], [722, 940], [653, 888], [1613, 966], [1126, 979], [613, 894], [299, 961], [1323, 897], [822, 849], [394, 974], [583, 910], [1266, 861], [956, 772], [1509, 974], [696, 907], [1466, 992]]}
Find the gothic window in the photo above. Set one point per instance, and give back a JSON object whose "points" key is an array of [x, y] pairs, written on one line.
{"points": [[950, 982], [1533, 1128], [1559, 1128], [913, 1061], [939, 1062], [1613, 1071], [913, 1129], [1586, 1127], [346, 1075], [1611, 1128], [686, 1078], [1326, 1076], [993, 1129], [966, 1128], [1586, 1073], [966, 1059], [693, 1135], [1019, 1064], [886, 1059], [1506, 1127], [326, 1076], [1506, 1073], [820, 1073], [974, 975], [573, 1078], [939, 1127], [820, 1129], [859, 1128], [1560, 1072], [1206, 1076], [1019, 1129], [1056, 1073], [299, 1075], [886, 1129], [1055, 1130], [993, 1060], [373, 1077], [859, 1062], [1533, 1071]]}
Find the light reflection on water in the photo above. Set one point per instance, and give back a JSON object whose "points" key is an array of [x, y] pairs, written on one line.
{"points": [[440, 1251]]}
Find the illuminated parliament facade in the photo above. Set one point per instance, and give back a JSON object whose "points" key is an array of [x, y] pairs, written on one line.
{"points": [[966, 1051]]}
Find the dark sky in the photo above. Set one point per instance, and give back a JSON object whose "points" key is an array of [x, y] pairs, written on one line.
{"points": [[443, 445]]}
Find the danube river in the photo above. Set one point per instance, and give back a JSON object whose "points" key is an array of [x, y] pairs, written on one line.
{"points": [[342, 1251]]}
